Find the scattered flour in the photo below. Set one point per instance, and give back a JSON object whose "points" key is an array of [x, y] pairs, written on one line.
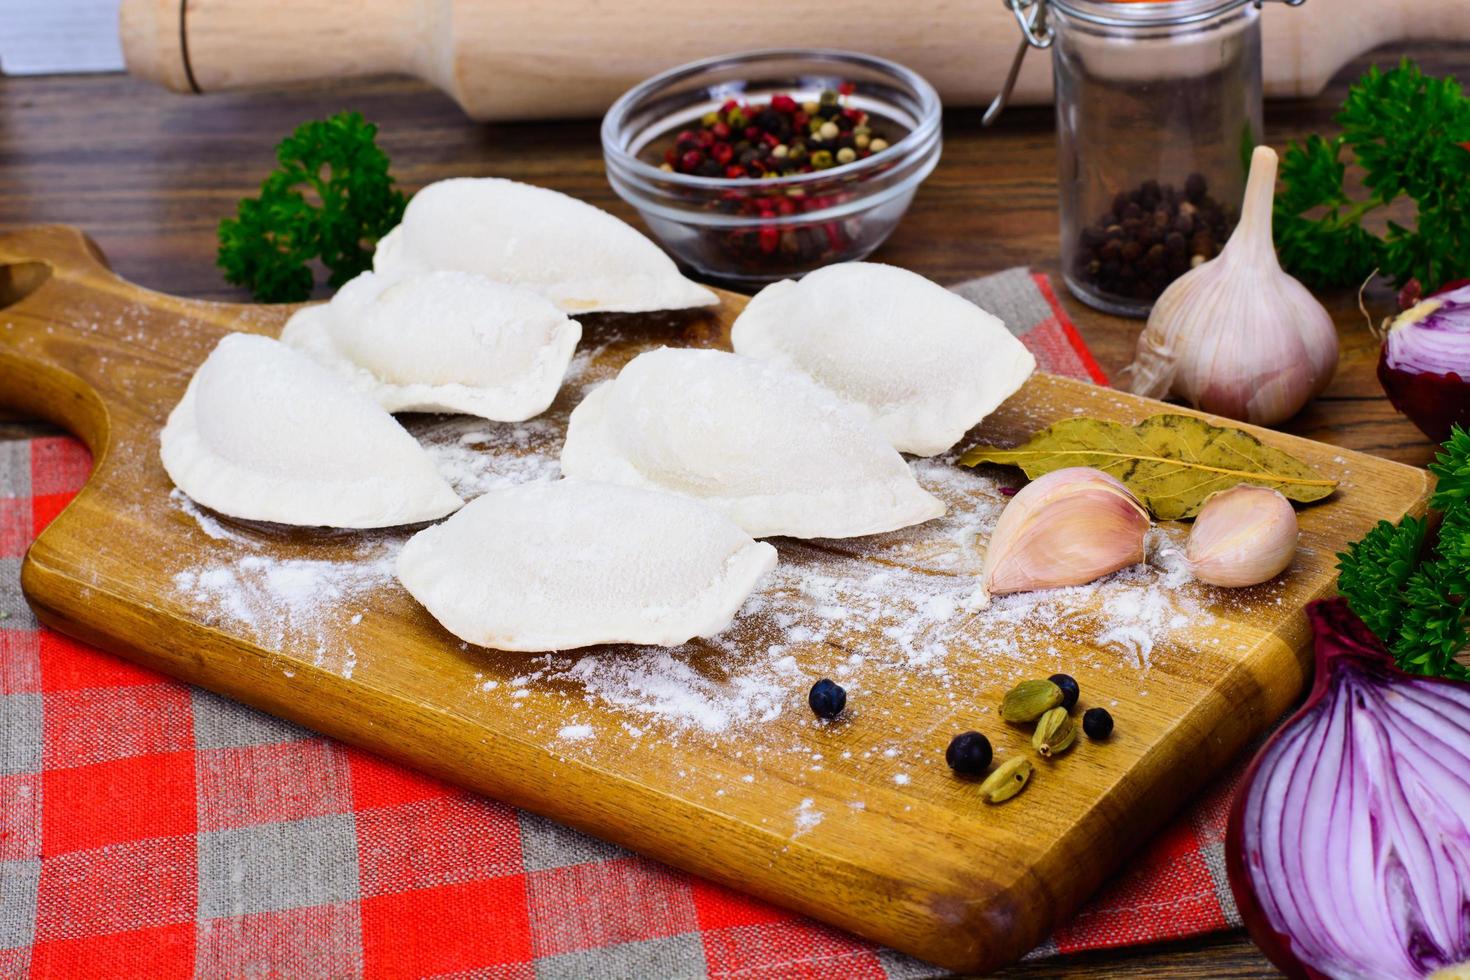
{"points": [[314, 601], [665, 684], [307, 600], [475, 458], [207, 522], [817, 615], [807, 817], [1128, 613], [879, 613]]}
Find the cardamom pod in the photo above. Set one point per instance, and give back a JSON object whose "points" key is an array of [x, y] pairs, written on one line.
{"points": [[1029, 700], [1009, 778], [1054, 733]]}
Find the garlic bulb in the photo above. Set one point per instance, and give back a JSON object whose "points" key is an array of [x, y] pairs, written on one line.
{"points": [[1068, 527], [1237, 336], [1243, 536]]}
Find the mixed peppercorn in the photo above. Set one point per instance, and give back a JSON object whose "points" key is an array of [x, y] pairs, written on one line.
{"points": [[763, 141], [1152, 236], [778, 139]]}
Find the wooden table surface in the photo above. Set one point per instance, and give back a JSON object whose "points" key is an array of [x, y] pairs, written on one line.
{"points": [[149, 174]]}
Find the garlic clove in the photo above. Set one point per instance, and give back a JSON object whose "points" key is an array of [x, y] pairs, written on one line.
{"points": [[1243, 536], [1237, 336], [1069, 527]]}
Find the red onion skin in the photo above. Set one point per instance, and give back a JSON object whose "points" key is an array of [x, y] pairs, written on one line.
{"points": [[1413, 292], [1433, 402], [1338, 634]]}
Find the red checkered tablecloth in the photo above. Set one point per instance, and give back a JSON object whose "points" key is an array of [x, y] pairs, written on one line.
{"points": [[156, 830]]}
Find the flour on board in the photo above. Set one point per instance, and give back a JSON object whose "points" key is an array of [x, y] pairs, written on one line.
{"points": [[878, 614]]}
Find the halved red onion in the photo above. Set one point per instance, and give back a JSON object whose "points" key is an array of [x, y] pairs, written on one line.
{"points": [[1425, 362], [1348, 847]]}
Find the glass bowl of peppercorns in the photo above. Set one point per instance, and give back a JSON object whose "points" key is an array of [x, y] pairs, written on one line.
{"points": [[756, 167]]}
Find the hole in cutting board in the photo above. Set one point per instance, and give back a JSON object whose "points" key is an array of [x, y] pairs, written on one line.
{"points": [[19, 279]]}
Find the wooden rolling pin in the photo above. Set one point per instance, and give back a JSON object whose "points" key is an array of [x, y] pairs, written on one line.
{"points": [[525, 59]]}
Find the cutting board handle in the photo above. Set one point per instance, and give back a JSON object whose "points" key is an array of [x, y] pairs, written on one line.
{"points": [[511, 59], [36, 377], [74, 348]]}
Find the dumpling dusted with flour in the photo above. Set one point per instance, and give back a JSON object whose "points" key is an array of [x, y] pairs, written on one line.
{"points": [[554, 566], [924, 364], [442, 342], [264, 433], [762, 444], [580, 257]]}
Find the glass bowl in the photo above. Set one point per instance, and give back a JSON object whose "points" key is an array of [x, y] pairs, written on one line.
{"points": [[750, 231]]}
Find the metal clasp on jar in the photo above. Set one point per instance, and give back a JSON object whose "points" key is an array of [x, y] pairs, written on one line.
{"points": [[1037, 32]]}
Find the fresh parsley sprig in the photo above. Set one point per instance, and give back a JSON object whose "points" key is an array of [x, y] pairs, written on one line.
{"points": [[1412, 591], [331, 198], [1409, 133]]}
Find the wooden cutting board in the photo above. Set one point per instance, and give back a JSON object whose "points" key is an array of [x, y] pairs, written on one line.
{"points": [[859, 822]]}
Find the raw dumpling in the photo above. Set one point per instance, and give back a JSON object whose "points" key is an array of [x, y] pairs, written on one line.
{"points": [[922, 363], [442, 342], [762, 444], [264, 433], [580, 257], [553, 566]]}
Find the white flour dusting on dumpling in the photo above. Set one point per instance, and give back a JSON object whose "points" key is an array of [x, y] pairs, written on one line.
{"points": [[264, 433], [555, 566], [578, 256], [442, 342], [924, 364], [763, 444]]}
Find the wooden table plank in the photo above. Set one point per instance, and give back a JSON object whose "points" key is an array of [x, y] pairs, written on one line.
{"points": [[149, 174]]}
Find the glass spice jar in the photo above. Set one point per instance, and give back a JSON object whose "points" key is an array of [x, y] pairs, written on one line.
{"points": [[1158, 107]]}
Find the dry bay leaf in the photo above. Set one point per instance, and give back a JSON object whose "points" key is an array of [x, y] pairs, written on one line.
{"points": [[1170, 462]]}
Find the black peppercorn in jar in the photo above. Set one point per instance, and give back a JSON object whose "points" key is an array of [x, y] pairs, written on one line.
{"points": [[1158, 108]]}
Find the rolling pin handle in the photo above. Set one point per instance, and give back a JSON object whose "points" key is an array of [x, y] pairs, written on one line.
{"points": [[155, 42]]}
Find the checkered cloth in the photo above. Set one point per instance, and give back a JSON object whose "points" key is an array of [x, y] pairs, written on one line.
{"points": [[152, 829]]}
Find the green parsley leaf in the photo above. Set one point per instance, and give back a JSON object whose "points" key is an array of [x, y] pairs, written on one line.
{"points": [[1373, 571], [1451, 467], [1433, 630], [1414, 598], [331, 198], [1406, 131]]}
